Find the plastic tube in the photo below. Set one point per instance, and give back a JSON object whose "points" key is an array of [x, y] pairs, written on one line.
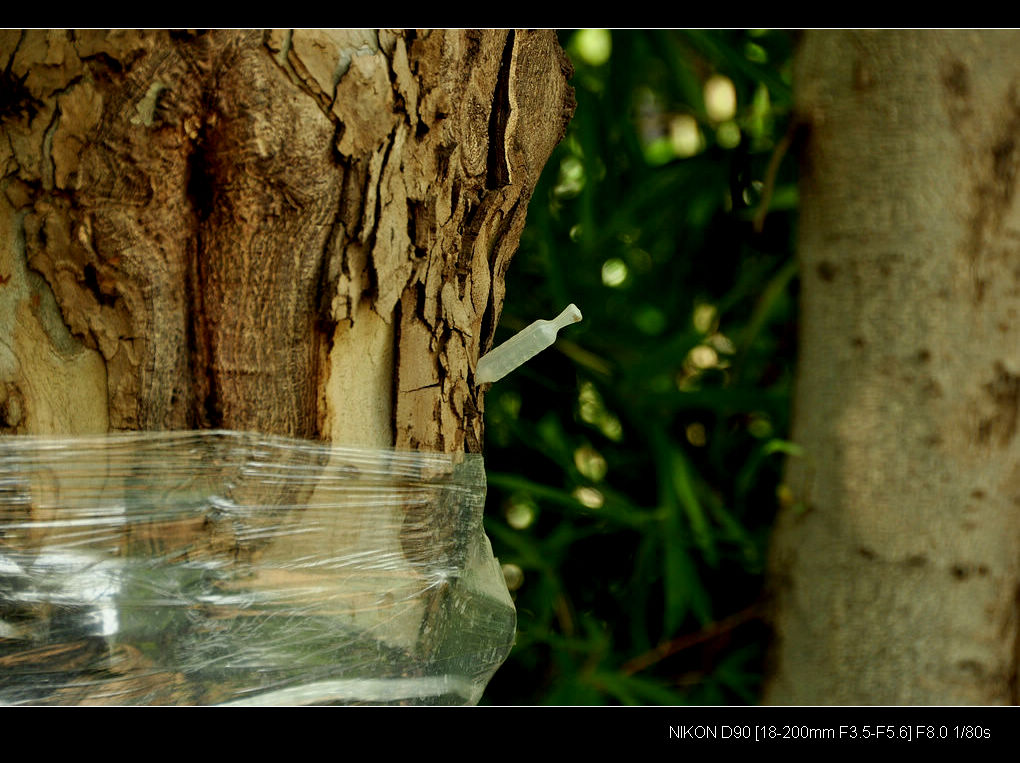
{"points": [[523, 346]]}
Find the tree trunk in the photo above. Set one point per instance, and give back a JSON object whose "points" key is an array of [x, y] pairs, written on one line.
{"points": [[896, 564], [300, 233], [294, 233]]}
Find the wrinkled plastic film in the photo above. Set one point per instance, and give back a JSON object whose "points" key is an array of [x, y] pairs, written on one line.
{"points": [[230, 568]]}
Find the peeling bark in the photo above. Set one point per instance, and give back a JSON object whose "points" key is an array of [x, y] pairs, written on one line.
{"points": [[896, 566], [300, 233]]}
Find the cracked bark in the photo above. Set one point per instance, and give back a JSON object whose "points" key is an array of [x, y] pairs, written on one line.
{"points": [[300, 233], [896, 568]]}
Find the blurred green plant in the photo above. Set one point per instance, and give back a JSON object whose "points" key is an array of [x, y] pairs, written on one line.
{"points": [[634, 468]]}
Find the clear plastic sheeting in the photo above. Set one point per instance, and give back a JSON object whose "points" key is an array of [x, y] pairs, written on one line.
{"points": [[229, 568]]}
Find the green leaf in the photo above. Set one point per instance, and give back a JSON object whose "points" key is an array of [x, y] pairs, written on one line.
{"points": [[685, 492], [637, 690]]}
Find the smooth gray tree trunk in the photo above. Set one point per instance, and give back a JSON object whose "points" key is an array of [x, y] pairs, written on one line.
{"points": [[896, 565]]}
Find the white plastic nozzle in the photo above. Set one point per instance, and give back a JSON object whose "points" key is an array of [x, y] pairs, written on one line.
{"points": [[523, 346]]}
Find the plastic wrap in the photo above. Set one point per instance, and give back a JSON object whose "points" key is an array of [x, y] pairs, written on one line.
{"points": [[230, 568]]}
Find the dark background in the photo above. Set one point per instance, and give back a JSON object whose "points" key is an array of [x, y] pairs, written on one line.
{"points": [[635, 468]]}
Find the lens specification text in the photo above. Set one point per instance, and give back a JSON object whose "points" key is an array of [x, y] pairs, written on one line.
{"points": [[844, 732]]}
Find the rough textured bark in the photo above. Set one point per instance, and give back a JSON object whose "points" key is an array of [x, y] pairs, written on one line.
{"points": [[300, 233], [896, 569]]}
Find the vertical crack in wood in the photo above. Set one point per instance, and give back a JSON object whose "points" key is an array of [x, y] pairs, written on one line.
{"points": [[497, 170]]}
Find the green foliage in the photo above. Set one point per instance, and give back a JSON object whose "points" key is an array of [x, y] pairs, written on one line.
{"points": [[634, 467]]}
